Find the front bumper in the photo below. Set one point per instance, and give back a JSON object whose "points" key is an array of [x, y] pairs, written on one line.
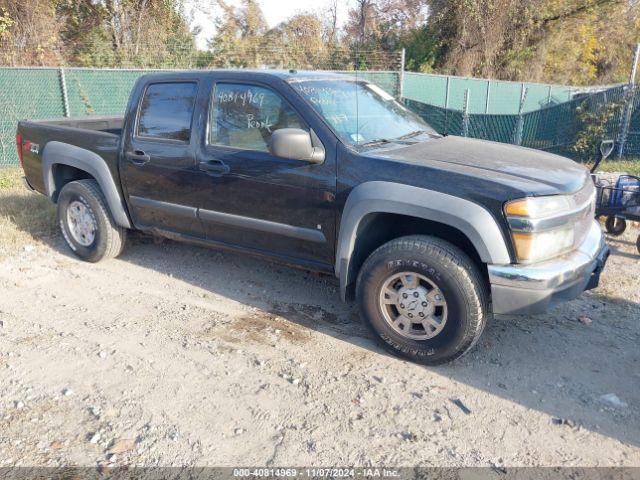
{"points": [[530, 289]]}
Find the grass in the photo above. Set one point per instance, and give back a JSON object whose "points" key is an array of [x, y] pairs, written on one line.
{"points": [[25, 217], [632, 167]]}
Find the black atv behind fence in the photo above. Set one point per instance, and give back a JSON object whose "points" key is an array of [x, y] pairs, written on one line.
{"points": [[617, 198]]}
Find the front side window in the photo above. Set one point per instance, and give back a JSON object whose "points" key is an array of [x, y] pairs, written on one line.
{"points": [[360, 112], [244, 116], [166, 111]]}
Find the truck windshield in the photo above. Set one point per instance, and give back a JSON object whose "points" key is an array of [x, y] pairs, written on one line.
{"points": [[361, 113]]}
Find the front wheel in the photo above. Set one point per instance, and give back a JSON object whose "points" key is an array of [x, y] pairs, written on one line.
{"points": [[424, 298], [86, 222], [615, 226]]}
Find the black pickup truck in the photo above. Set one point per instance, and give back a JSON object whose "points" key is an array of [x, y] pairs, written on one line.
{"points": [[430, 234]]}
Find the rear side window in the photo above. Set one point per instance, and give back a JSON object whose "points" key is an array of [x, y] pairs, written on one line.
{"points": [[166, 111]]}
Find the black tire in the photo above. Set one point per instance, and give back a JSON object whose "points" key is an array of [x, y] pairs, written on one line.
{"points": [[638, 244], [108, 238], [615, 226], [452, 271]]}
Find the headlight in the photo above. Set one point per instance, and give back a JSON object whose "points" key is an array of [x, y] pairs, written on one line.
{"points": [[544, 227], [538, 207], [534, 247]]}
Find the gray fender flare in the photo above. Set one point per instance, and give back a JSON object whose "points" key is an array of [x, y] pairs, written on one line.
{"points": [[90, 162], [470, 218]]}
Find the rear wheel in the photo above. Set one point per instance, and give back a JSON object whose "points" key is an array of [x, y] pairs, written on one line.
{"points": [[86, 222], [424, 298], [615, 226]]}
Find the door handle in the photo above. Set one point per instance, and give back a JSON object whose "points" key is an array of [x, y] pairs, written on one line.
{"points": [[216, 167], [137, 157]]}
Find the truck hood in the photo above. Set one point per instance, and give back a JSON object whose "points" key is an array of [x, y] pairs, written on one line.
{"points": [[533, 171]]}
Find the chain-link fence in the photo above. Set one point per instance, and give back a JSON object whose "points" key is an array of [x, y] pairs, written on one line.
{"points": [[553, 118], [33, 92], [573, 128], [482, 95]]}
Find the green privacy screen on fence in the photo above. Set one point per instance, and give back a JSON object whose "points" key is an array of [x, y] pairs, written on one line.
{"points": [[573, 129], [485, 96], [99, 92], [551, 118]]}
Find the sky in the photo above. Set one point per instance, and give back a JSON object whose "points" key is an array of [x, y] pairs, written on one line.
{"points": [[275, 11]]}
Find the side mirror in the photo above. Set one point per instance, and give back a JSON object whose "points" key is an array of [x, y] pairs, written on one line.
{"points": [[606, 147], [297, 144]]}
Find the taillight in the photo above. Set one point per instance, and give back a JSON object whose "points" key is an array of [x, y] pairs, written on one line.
{"points": [[19, 148]]}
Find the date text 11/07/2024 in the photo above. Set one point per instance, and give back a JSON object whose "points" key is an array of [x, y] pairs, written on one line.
{"points": [[316, 472]]}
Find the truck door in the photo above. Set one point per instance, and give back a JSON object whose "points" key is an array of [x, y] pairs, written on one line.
{"points": [[252, 199], [158, 165]]}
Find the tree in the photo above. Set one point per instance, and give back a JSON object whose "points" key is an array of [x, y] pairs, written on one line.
{"points": [[388, 25], [566, 41], [227, 37], [95, 32], [330, 25], [29, 32], [243, 39], [578, 42], [145, 32], [300, 42], [241, 34], [362, 27]]}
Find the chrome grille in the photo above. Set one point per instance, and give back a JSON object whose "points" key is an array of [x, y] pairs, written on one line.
{"points": [[586, 195]]}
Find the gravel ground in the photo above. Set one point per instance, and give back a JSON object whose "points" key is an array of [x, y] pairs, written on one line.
{"points": [[177, 355]]}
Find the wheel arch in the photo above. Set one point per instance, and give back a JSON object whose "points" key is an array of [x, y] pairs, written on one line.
{"points": [[62, 163], [377, 212]]}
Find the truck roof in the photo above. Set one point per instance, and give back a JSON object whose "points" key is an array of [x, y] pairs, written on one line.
{"points": [[286, 75]]}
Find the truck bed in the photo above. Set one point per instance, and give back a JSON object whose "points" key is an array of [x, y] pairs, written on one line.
{"points": [[104, 124], [99, 134]]}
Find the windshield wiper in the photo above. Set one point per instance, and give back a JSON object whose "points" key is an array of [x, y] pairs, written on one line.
{"points": [[382, 141], [410, 134], [377, 141]]}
